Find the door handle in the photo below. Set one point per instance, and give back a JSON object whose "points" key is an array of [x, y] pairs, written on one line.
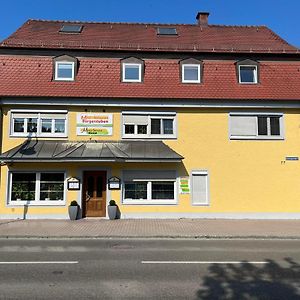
{"points": [[88, 197]]}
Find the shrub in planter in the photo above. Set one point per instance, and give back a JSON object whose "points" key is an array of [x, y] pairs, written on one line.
{"points": [[73, 210], [112, 209]]}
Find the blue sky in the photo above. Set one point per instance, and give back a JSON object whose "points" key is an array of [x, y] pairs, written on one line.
{"points": [[280, 15]]}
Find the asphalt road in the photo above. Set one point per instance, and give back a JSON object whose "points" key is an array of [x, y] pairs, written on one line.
{"points": [[149, 269]]}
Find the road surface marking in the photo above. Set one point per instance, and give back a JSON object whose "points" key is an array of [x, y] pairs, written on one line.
{"points": [[202, 262], [36, 262]]}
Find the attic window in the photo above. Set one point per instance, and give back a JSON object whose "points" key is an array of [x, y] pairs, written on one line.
{"points": [[71, 28], [166, 31]]}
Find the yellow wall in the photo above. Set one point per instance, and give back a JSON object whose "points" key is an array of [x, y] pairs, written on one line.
{"points": [[246, 176]]}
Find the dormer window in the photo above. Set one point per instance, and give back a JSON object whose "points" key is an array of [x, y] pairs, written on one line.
{"points": [[132, 70], [190, 71], [65, 68], [247, 72]]}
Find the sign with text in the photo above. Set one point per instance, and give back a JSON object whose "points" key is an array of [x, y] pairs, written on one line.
{"points": [[184, 185], [94, 124]]}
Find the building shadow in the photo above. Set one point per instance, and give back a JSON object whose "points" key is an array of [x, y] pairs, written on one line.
{"points": [[250, 281]]}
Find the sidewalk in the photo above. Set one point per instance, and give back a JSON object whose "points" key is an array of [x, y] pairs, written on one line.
{"points": [[151, 228]]}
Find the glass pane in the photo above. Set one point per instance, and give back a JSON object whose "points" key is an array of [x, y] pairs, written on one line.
{"points": [[46, 125], [168, 126], [99, 186], [247, 74], [190, 73], [18, 125], [59, 126], [136, 190], [64, 71], [23, 186], [142, 129], [52, 186], [155, 126], [129, 129], [275, 125], [132, 72], [262, 125], [90, 186], [163, 190], [31, 125]]}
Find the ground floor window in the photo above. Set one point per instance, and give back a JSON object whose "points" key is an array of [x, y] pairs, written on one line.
{"points": [[37, 188], [149, 187]]}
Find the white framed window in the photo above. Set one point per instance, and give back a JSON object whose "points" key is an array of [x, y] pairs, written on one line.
{"points": [[149, 125], [256, 126], [149, 187], [200, 187], [131, 72], [190, 73], [41, 124], [64, 70], [37, 188], [248, 74]]}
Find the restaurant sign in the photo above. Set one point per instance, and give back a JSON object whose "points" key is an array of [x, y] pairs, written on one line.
{"points": [[94, 124]]}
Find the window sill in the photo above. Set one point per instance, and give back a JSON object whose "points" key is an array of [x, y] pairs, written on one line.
{"points": [[149, 202], [262, 138], [38, 203], [50, 136], [149, 137]]}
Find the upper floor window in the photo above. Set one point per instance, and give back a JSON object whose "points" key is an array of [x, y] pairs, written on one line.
{"points": [[256, 126], [248, 74], [132, 69], [190, 70], [191, 73], [64, 68], [149, 125], [132, 72], [35, 123], [248, 71]]}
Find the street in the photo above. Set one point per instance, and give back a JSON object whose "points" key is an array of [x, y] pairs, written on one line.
{"points": [[149, 268]]}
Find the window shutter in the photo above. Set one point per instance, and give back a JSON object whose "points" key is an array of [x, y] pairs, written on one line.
{"points": [[243, 125], [139, 175], [134, 119], [199, 188]]}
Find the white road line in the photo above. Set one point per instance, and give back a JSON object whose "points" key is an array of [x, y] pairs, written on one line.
{"points": [[202, 262], [36, 262]]}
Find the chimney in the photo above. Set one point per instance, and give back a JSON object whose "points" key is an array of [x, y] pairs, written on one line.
{"points": [[202, 18]]}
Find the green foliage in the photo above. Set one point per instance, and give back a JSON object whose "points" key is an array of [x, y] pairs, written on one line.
{"points": [[73, 203], [112, 203]]}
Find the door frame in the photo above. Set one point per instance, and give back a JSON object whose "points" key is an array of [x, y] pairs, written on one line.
{"points": [[79, 194], [84, 189]]}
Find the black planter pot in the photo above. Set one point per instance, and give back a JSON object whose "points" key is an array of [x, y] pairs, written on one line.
{"points": [[73, 211], [112, 212]]}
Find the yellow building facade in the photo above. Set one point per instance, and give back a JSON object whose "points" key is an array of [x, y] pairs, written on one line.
{"points": [[243, 177]]}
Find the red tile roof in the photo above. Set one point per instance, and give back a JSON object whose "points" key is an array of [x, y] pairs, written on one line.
{"points": [[143, 37], [32, 76]]}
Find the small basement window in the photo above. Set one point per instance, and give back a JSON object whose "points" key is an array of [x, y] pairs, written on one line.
{"points": [[71, 28], [132, 72], [247, 74], [64, 70], [166, 31]]}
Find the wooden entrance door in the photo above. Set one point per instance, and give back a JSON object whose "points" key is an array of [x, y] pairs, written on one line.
{"points": [[94, 194]]}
